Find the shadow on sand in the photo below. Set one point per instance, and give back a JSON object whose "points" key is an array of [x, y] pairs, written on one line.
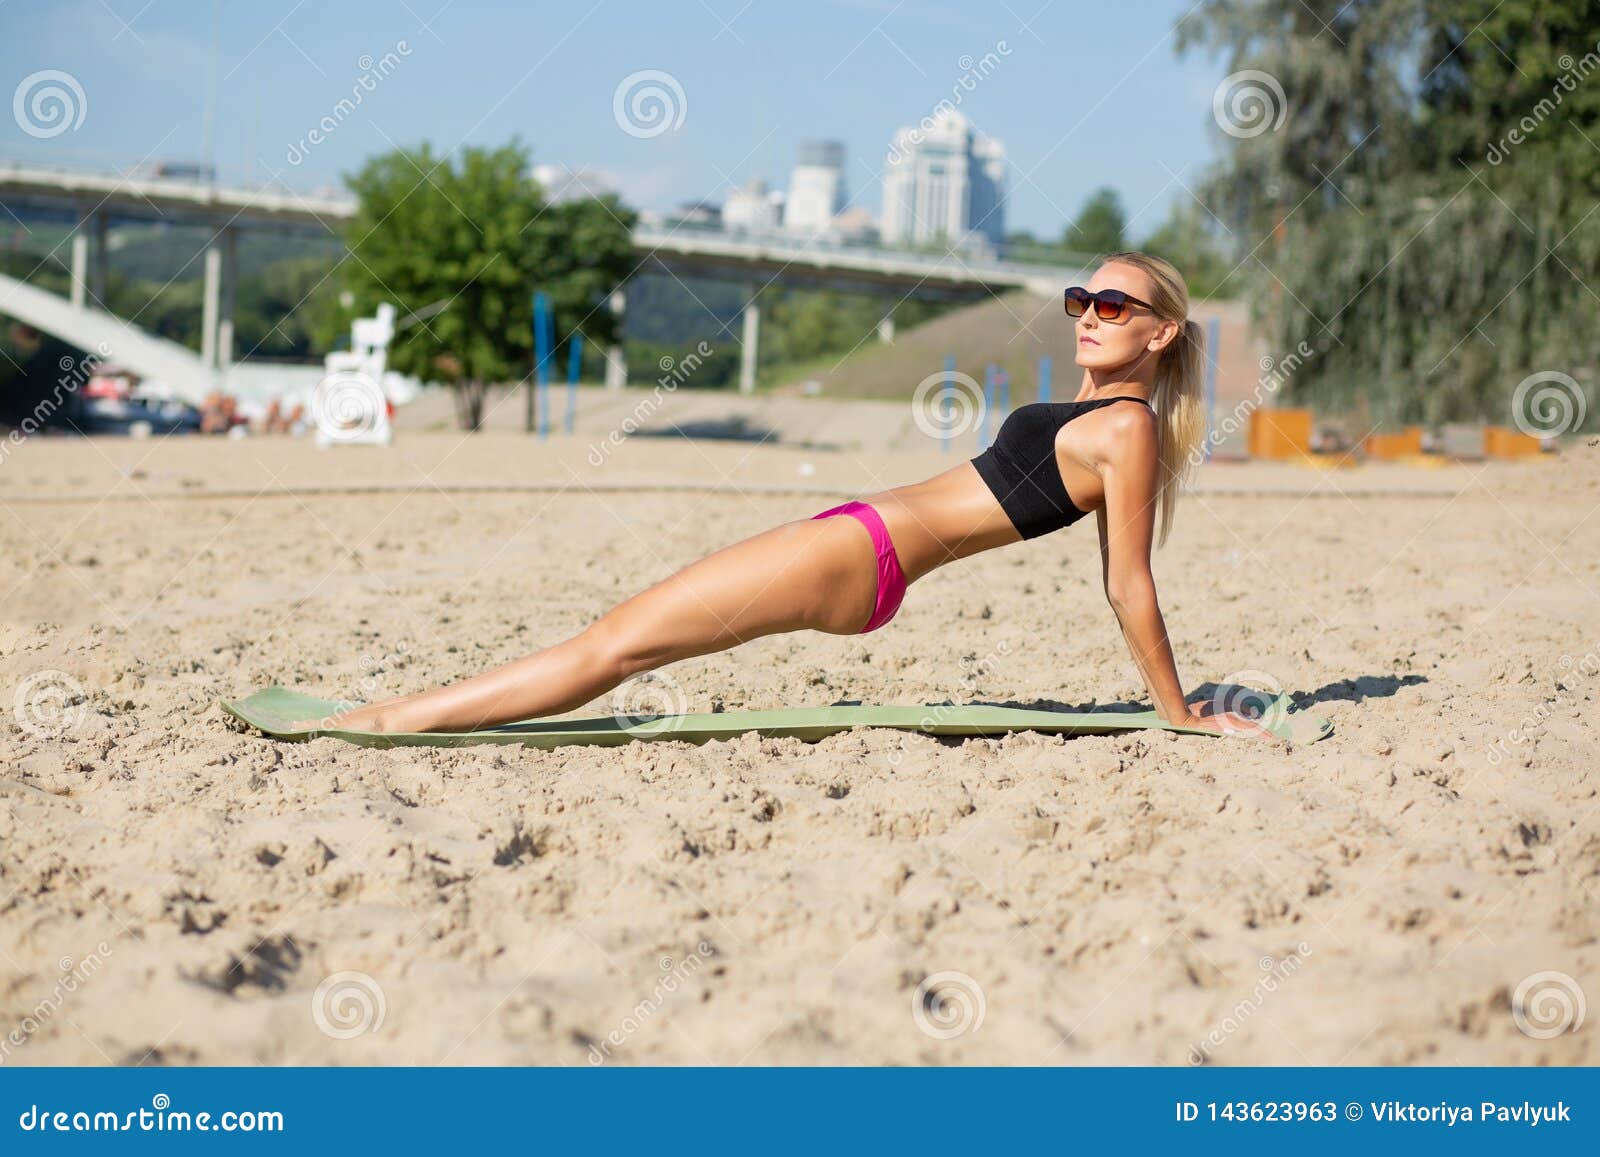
{"points": [[1232, 696], [736, 428]]}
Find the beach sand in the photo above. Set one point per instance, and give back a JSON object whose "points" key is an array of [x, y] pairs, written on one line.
{"points": [[176, 891]]}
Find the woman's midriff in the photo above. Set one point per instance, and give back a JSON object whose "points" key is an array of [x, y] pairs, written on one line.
{"points": [[950, 516]]}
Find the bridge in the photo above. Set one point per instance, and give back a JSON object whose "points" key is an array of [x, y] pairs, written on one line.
{"points": [[88, 201]]}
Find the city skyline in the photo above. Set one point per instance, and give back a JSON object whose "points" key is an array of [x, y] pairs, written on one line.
{"points": [[751, 87]]}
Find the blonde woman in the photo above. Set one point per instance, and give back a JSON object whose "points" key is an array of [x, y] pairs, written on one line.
{"points": [[1119, 449]]}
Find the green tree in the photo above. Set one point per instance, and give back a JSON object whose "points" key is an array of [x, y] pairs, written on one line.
{"points": [[803, 325], [460, 245], [1188, 239], [284, 310], [593, 256], [1100, 226], [1417, 204]]}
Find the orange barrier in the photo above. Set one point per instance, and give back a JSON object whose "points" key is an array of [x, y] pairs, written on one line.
{"points": [[1500, 442], [1280, 433], [1392, 446], [1285, 435]]}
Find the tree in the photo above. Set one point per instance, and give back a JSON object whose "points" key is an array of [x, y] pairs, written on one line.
{"points": [[802, 325], [1417, 204], [459, 246], [282, 311], [1100, 225], [592, 256], [1187, 238]]}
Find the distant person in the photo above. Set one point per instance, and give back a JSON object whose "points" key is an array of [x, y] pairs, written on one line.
{"points": [[279, 420], [219, 413], [1120, 449], [271, 419]]}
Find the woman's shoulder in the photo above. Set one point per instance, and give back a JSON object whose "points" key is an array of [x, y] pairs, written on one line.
{"points": [[1129, 414], [1126, 416], [1120, 431]]}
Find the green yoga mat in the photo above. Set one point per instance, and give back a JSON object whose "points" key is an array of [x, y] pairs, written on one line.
{"points": [[273, 710]]}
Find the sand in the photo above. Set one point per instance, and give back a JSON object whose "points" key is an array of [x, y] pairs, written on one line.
{"points": [[174, 891]]}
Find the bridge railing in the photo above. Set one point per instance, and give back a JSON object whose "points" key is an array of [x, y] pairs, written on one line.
{"points": [[688, 237]]}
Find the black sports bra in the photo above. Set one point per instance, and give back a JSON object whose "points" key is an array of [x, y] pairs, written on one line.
{"points": [[1020, 466]]}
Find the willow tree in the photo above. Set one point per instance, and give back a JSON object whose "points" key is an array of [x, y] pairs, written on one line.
{"points": [[459, 244], [1412, 192]]}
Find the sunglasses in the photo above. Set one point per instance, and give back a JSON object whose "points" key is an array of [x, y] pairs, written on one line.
{"points": [[1109, 304]]}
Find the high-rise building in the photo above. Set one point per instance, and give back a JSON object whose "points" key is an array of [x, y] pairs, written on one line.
{"points": [[816, 189], [944, 181], [754, 208]]}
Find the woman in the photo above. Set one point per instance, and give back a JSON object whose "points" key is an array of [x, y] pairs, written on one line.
{"points": [[1120, 449]]}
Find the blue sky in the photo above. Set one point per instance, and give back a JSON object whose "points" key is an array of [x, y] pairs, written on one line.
{"points": [[756, 80]]}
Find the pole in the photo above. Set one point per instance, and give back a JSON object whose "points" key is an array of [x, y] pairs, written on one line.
{"points": [[80, 265], [1005, 392], [208, 113], [211, 305], [616, 364], [1044, 378], [574, 365], [230, 295], [749, 345], [946, 401], [541, 358]]}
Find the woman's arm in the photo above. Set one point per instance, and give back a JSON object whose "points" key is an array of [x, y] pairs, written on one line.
{"points": [[1127, 532]]}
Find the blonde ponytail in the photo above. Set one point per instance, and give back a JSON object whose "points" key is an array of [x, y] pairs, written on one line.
{"points": [[1180, 376]]}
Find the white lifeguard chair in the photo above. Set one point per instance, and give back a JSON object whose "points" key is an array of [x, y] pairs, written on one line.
{"points": [[350, 405]]}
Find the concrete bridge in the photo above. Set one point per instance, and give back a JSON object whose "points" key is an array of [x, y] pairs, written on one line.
{"points": [[88, 201]]}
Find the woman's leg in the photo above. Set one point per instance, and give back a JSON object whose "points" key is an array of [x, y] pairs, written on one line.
{"points": [[816, 574]]}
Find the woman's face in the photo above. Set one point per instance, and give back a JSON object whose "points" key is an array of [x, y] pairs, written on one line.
{"points": [[1139, 333]]}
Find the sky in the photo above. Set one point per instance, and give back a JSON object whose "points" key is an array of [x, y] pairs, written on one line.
{"points": [[1081, 96]]}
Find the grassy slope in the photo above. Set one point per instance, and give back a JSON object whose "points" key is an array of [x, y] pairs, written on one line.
{"points": [[1010, 331]]}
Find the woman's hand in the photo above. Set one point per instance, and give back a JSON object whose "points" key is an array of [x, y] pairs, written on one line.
{"points": [[1205, 717]]}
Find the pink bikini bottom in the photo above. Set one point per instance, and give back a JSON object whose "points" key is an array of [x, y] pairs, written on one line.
{"points": [[891, 579]]}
